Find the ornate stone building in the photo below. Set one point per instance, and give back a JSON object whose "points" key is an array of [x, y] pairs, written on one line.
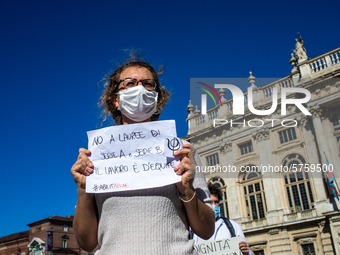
{"points": [[49, 236], [289, 209]]}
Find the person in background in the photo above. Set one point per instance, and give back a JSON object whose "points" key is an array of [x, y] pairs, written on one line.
{"points": [[148, 221], [224, 228]]}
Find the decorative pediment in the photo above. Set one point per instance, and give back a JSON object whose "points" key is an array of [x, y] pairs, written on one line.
{"points": [[35, 241]]}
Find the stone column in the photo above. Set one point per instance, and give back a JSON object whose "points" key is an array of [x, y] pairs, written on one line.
{"points": [[321, 202], [316, 112], [334, 223], [230, 177], [322, 143], [262, 137]]}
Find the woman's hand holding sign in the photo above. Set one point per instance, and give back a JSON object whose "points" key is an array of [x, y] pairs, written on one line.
{"points": [[82, 168], [186, 168], [201, 217], [86, 207]]}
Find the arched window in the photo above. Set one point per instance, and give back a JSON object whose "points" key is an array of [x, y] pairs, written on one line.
{"points": [[254, 196], [297, 184], [218, 182]]}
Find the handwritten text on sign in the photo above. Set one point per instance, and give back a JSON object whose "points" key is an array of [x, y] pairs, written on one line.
{"points": [[229, 246], [135, 156]]}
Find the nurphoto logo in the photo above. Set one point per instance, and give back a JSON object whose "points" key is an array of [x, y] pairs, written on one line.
{"points": [[285, 97], [238, 100]]}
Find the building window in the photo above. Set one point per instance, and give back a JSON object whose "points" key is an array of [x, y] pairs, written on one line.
{"points": [[65, 228], [308, 249], [64, 244], [218, 182], [212, 160], [38, 229], [287, 135], [307, 245], [253, 193], [297, 184], [246, 148], [336, 118]]}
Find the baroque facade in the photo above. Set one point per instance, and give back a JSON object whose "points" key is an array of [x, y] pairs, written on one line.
{"points": [[273, 174]]}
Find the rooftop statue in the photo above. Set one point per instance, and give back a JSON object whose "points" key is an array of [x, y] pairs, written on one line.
{"points": [[300, 51]]}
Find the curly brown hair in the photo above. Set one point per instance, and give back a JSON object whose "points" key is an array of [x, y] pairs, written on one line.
{"points": [[111, 88], [214, 190]]}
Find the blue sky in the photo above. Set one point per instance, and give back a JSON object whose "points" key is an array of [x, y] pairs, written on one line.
{"points": [[55, 53]]}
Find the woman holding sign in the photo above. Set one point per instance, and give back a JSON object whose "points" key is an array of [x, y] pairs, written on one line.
{"points": [[146, 221]]}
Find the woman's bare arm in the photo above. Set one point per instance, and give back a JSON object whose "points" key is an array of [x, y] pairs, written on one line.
{"points": [[85, 222], [200, 216]]}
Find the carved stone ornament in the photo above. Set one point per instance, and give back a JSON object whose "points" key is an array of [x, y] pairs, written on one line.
{"points": [[221, 92], [225, 146], [262, 134], [274, 231], [258, 247], [305, 241], [337, 84], [190, 107], [316, 111], [293, 62], [302, 120], [318, 92]]}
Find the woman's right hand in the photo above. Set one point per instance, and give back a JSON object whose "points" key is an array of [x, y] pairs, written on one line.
{"points": [[82, 168], [85, 223]]}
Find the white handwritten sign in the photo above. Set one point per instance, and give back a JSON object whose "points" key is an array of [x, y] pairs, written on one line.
{"points": [[134, 156], [229, 246]]}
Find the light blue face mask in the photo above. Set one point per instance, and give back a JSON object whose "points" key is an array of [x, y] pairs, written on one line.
{"points": [[216, 209]]}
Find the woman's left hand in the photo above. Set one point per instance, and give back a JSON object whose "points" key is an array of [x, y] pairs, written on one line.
{"points": [[200, 216], [187, 169]]}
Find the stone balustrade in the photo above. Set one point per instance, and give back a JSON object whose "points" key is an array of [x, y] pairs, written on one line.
{"points": [[325, 61], [308, 214], [254, 224], [291, 217]]}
